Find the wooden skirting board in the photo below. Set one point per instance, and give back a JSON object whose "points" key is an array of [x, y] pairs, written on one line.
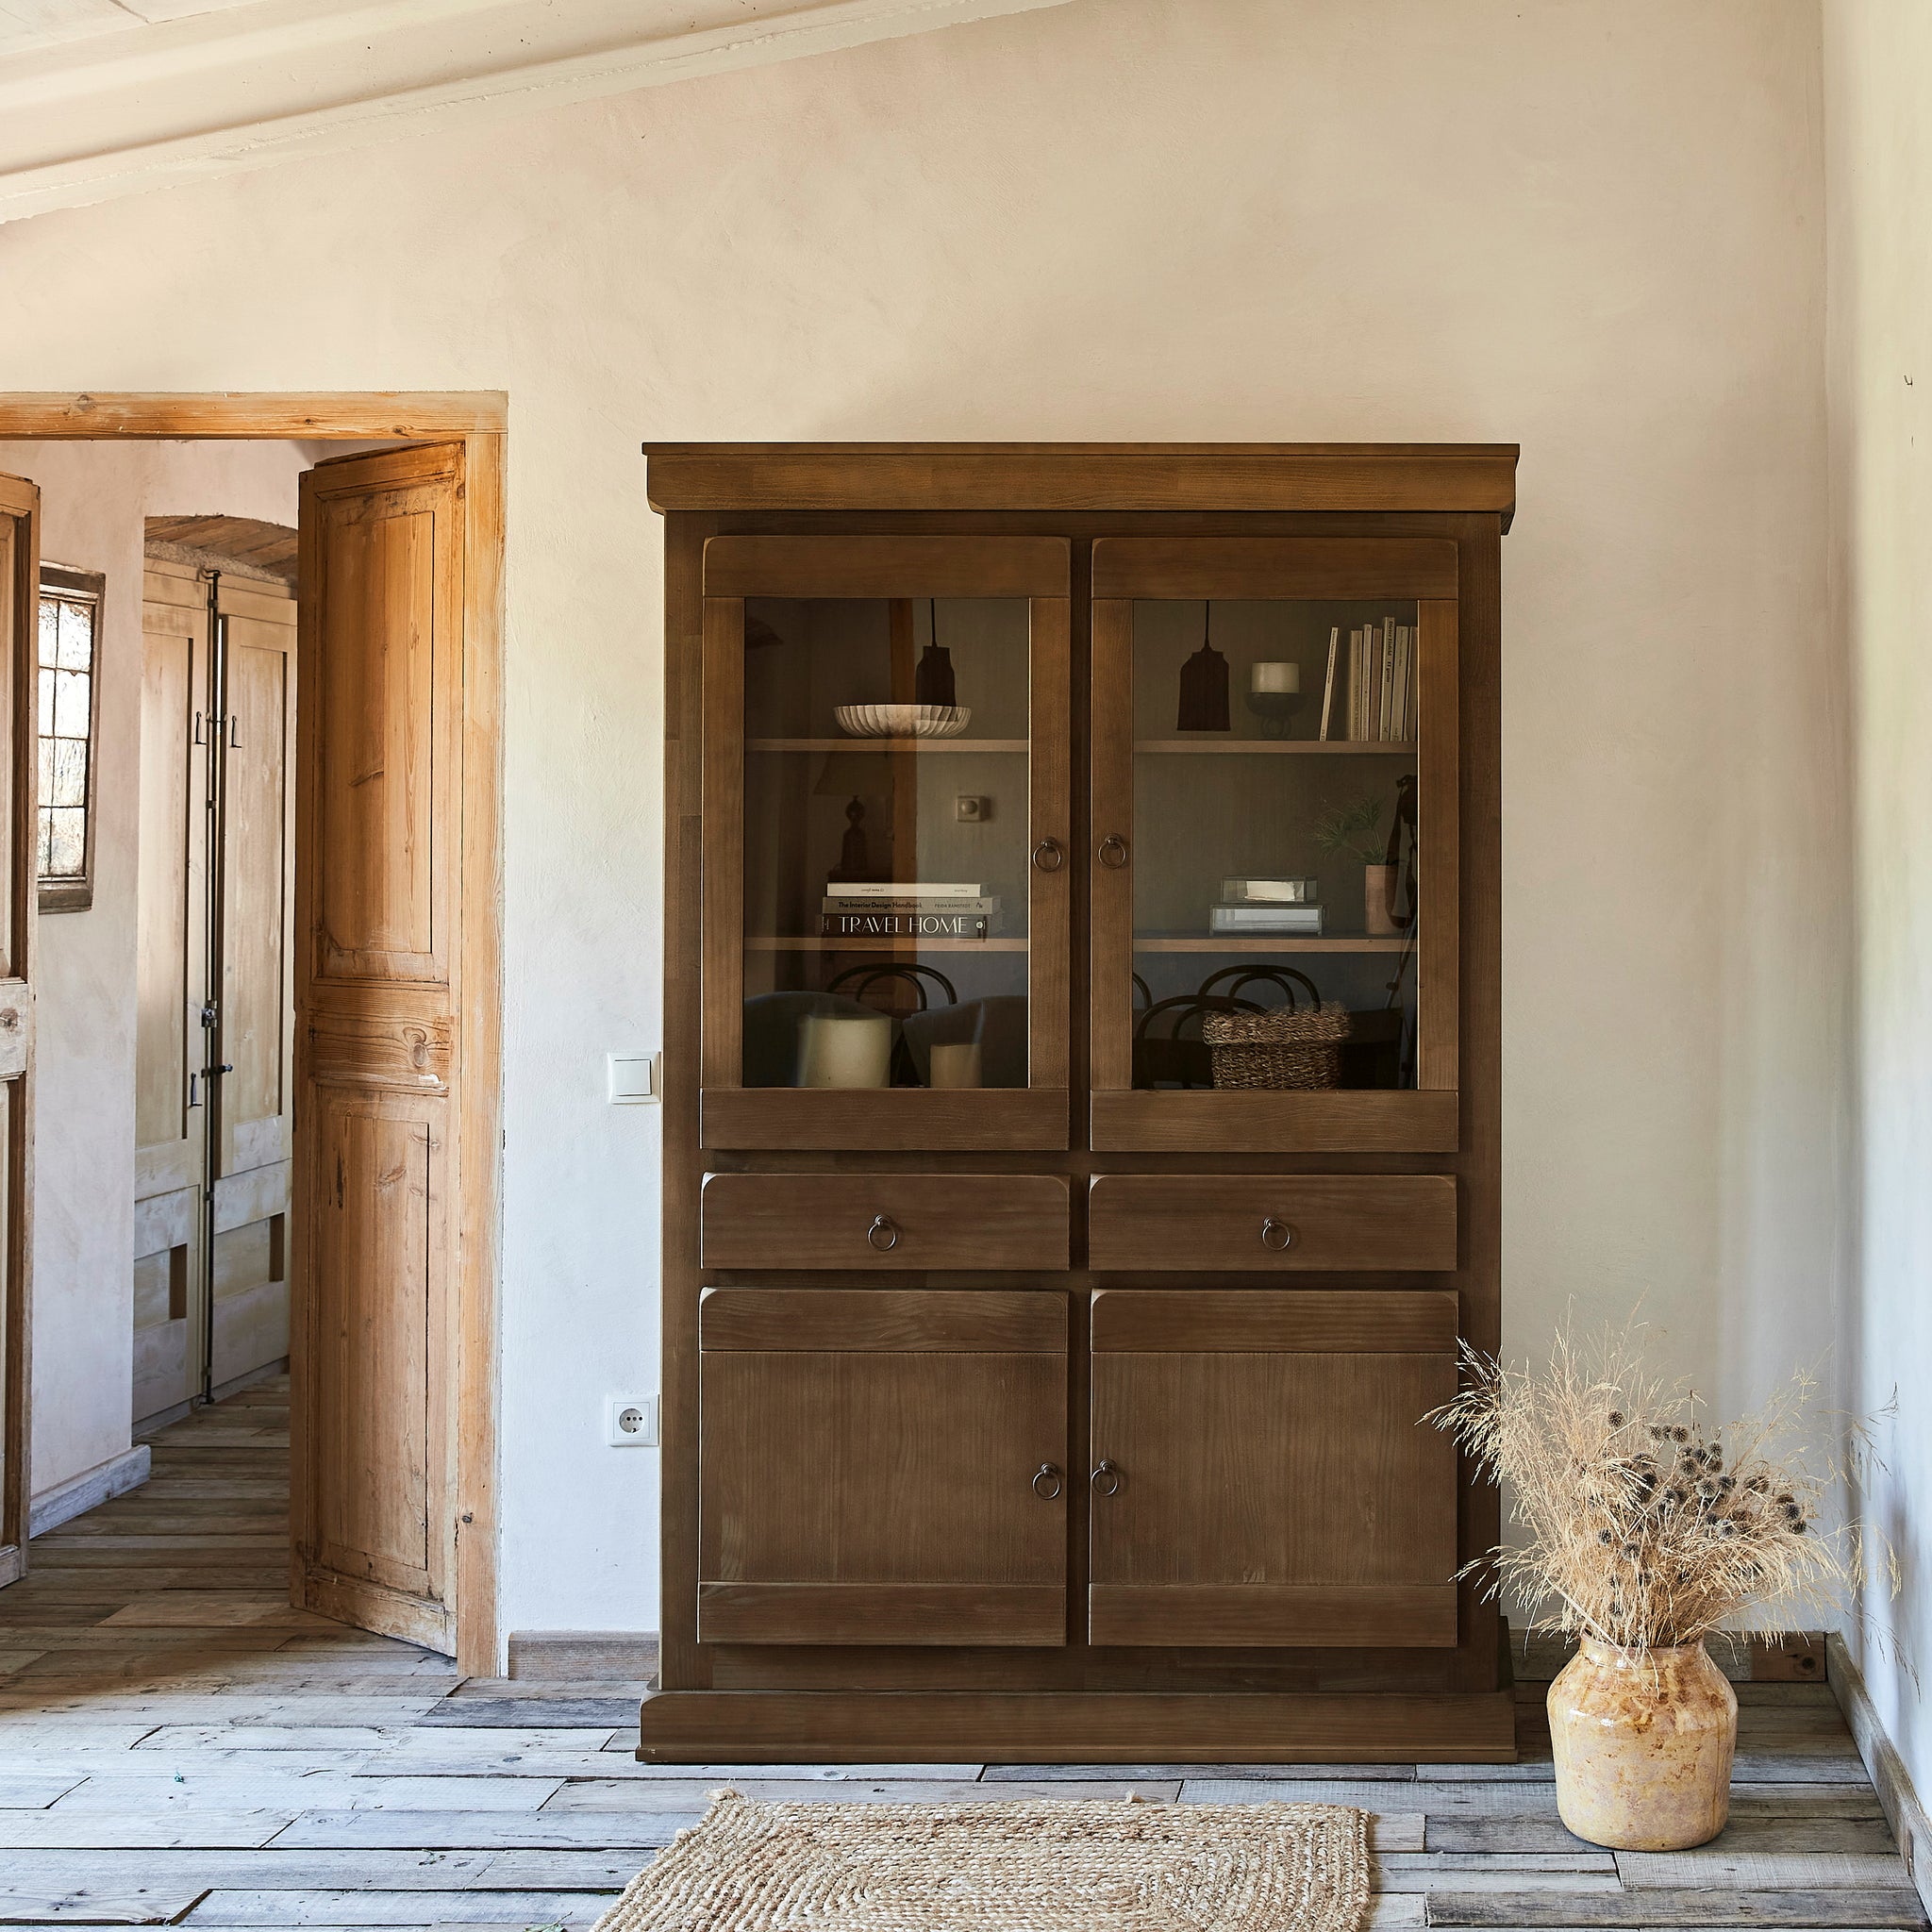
{"points": [[1083, 1727], [1890, 1777], [583, 1656], [89, 1490]]}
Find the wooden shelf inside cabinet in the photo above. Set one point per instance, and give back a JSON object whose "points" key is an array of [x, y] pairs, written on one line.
{"points": [[1012, 745], [1272, 747], [780, 942], [1260, 943]]}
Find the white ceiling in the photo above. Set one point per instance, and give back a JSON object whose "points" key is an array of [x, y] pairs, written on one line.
{"points": [[46, 22], [100, 98]]}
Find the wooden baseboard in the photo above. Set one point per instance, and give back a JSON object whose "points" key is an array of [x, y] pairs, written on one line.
{"points": [[89, 1490], [1889, 1778], [1075, 1728], [1537, 1656], [583, 1656]]}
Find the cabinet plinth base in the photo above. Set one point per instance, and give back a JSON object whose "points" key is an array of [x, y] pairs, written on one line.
{"points": [[1075, 1728]]}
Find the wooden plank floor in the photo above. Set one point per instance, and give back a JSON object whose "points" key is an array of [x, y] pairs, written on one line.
{"points": [[178, 1745]]}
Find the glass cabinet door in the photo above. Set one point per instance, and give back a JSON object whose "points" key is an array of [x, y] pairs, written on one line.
{"points": [[886, 863], [1274, 863]]}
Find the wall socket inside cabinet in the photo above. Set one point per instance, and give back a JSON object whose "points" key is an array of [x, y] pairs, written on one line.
{"points": [[630, 1422]]}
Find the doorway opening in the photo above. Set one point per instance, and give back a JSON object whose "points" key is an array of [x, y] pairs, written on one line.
{"points": [[314, 984]]}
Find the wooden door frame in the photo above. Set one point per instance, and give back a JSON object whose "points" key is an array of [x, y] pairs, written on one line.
{"points": [[480, 420]]}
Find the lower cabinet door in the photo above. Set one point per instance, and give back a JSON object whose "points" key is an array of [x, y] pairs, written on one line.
{"points": [[1261, 1473], [882, 1466]]}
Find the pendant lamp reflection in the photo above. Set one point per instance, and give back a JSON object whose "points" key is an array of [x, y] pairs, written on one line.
{"points": [[1204, 683], [932, 676]]}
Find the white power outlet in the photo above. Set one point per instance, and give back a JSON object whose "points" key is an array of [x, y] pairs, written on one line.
{"points": [[630, 1422]]}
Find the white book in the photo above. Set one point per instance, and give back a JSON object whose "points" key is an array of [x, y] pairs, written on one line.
{"points": [[1303, 920], [1328, 684], [906, 889], [1399, 721], [1384, 717]]}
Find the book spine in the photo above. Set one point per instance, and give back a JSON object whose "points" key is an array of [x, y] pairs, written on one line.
{"points": [[974, 908], [908, 889], [900, 926], [1354, 685], [1328, 684], [1384, 723]]}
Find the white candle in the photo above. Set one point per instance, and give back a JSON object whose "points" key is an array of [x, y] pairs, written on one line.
{"points": [[1281, 677], [834, 1051]]}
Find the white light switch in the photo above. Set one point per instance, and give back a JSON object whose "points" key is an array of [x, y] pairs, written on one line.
{"points": [[632, 1079]]}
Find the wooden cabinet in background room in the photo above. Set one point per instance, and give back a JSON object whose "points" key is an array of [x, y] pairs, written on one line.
{"points": [[1081, 1100]]}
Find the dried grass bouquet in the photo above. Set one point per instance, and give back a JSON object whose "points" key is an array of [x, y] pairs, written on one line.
{"points": [[1644, 1526]]}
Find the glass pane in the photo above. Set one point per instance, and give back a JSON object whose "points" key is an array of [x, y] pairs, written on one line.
{"points": [[66, 854], [50, 630], [77, 636], [47, 842], [71, 704], [69, 780], [46, 771], [1275, 871], [886, 848], [45, 727]]}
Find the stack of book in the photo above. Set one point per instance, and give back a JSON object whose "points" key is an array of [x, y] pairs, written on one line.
{"points": [[908, 909], [1371, 694], [1260, 906]]}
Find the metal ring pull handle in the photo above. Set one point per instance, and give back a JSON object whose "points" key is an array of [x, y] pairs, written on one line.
{"points": [[880, 1225], [1049, 854], [1277, 1235], [1113, 852], [1047, 1472], [1107, 1479]]}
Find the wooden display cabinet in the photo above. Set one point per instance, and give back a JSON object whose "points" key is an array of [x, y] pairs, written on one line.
{"points": [[1040, 1381]]}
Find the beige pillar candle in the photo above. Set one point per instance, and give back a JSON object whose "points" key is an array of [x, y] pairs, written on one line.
{"points": [[957, 1064], [836, 1049], [1276, 678]]}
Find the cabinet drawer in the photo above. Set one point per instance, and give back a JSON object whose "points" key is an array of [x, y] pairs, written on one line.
{"points": [[1264, 1223], [897, 1220]]}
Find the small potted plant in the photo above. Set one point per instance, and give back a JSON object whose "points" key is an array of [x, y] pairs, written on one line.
{"points": [[1355, 830], [1645, 1531]]}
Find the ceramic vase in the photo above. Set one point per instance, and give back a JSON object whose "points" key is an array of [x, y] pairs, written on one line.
{"points": [[1643, 1740], [1378, 884]]}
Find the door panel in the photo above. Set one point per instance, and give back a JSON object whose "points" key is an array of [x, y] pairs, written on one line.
{"points": [[373, 1336], [172, 887], [20, 571], [872, 1467], [887, 884], [257, 915], [1251, 1490], [1307, 686]]}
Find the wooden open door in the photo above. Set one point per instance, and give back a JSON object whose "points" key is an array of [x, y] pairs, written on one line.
{"points": [[19, 578], [379, 1035]]}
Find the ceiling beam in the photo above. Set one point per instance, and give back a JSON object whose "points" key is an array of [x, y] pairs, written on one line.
{"points": [[122, 112]]}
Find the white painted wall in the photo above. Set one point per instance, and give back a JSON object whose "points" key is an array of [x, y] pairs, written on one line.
{"points": [[93, 497], [1878, 69], [1596, 227]]}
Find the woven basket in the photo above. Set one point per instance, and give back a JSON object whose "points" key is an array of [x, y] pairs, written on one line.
{"points": [[1289, 1047]]}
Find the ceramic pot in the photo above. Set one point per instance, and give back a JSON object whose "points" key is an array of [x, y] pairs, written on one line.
{"points": [[1644, 1741], [1378, 884]]}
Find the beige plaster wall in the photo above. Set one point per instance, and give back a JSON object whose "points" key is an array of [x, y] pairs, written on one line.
{"points": [[1878, 73], [93, 497], [1594, 227]]}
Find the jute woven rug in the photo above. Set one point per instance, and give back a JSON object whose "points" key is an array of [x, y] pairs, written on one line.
{"points": [[1036, 1866]]}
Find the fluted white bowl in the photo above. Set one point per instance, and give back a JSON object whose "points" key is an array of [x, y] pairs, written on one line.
{"points": [[903, 721]]}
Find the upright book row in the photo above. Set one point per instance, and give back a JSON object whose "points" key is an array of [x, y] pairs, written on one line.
{"points": [[1377, 692]]}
